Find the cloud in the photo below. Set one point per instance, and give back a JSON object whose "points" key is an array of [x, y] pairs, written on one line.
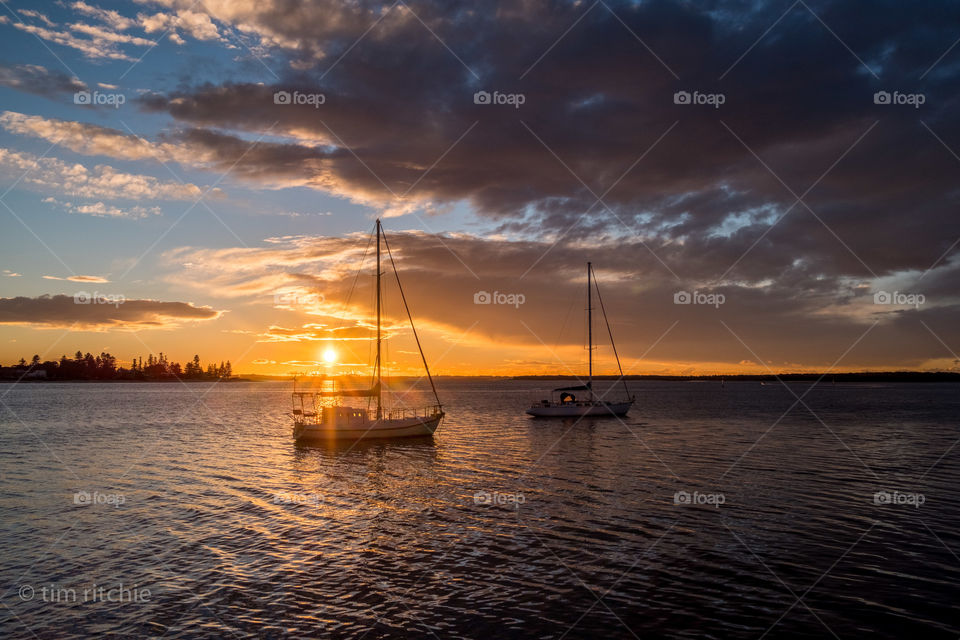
{"points": [[39, 80], [312, 280], [47, 174], [337, 331], [101, 210], [30, 13], [197, 24], [78, 278], [270, 163], [114, 19], [103, 35], [693, 198], [91, 139], [707, 189], [90, 48], [94, 41], [59, 311]]}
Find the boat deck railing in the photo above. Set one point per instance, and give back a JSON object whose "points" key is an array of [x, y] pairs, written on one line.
{"points": [[419, 412]]}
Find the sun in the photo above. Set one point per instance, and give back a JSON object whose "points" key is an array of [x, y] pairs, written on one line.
{"points": [[329, 355]]}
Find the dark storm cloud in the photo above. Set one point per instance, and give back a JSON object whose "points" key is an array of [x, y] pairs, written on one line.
{"points": [[93, 311], [600, 98]]}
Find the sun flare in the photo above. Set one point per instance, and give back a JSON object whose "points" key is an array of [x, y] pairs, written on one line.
{"points": [[329, 355]]}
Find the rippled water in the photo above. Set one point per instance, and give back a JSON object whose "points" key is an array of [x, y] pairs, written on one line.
{"points": [[203, 500]]}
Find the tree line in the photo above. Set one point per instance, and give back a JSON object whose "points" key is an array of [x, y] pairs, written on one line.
{"points": [[86, 366]]}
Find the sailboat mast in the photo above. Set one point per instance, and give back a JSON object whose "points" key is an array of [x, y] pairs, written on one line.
{"points": [[590, 331], [379, 386]]}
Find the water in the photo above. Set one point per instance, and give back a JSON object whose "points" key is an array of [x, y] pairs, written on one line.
{"points": [[203, 500]]}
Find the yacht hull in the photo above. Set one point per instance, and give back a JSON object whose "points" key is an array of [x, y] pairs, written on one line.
{"points": [[554, 410], [415, 427]]}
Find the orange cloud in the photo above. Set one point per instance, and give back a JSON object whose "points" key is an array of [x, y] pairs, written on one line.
{"points": [[99, 313]]}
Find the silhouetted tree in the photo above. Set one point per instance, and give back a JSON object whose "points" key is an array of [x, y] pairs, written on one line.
{"points": [[105, 367]]}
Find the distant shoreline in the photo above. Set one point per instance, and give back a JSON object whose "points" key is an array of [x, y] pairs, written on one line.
{"points": [[880, 376], [124, 380]]}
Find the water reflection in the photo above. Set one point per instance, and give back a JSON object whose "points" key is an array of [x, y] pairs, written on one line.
{"points": [[499, 525]]}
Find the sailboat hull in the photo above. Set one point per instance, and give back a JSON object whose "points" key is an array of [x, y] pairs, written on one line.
{"points": [[553, 410], [414, 427]]}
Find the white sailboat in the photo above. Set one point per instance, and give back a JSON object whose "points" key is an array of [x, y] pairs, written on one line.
{"points": [[563, 402], [316, 422]]}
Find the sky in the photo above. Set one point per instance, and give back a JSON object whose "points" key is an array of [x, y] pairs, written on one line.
{"points": [[759, 186]]}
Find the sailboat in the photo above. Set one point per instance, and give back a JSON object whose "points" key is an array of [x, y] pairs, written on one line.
{"points": [[563, 402], [315, 421]]}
